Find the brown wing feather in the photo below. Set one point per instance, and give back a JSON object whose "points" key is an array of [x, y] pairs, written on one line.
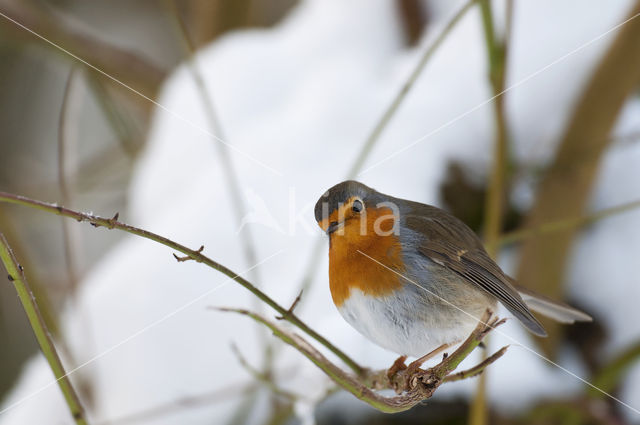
{"points": [[452, 244]]}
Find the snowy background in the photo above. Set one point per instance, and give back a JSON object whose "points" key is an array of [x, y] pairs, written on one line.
{"points": [[296, 101]]}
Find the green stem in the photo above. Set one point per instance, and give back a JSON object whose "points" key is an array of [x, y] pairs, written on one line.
{"points": [[494, 206], [611, 375], [382, 123], [496, 194], [112, 223], [16, 276], [569, 223]]}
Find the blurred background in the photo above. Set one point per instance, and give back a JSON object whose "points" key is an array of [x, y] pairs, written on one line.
{"points": [[137, 42], [541, 160]]}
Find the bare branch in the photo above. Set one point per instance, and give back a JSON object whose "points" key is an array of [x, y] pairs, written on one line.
{"points": [[412, 385], [112, 223], [293, 306], [478, 369]]}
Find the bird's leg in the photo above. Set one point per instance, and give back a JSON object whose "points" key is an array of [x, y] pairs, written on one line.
{"points": [[396, 367], [399, 374], [415, 365]]}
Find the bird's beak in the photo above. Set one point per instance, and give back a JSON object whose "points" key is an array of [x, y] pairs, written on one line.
{"points": [[333, 226]]}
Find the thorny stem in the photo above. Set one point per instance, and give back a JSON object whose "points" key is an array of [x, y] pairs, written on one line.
{"points": [[16, 276], [113, 223], [413, 386]]}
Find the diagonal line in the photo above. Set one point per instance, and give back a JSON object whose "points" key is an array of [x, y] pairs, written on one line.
{"points": [[507, 336], [164, 108], [491, 99], [137, 333]]}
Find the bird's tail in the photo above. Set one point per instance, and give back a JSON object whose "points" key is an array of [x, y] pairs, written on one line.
{"points": [[560, 312]]}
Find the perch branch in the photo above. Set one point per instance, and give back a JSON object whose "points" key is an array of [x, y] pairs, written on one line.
{"points": [[113, 223], [412, 385]]}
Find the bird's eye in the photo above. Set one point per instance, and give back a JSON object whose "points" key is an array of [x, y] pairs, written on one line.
{"points": [[357, 206]]}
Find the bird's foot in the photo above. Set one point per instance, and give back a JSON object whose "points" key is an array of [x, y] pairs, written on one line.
{"points": [[403, 377], [396, 367], [414, 366]]}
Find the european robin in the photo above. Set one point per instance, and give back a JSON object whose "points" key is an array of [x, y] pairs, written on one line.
{"points": [[412, 277]]}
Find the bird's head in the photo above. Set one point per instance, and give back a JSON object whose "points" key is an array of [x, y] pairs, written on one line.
{"points": [[351, 204]]}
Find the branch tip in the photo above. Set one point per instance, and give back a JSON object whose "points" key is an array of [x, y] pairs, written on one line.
{"points": [[289, 311], [182, 259]]}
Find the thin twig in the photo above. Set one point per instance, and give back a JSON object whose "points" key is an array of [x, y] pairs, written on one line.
{"points": [[208, 104], [17, 277], [478, 369], [112, 223], [413, 386], [229, 171], [65, 193], [264, 378], [391, 110], [121, 118], [187, 402], [559, 225], [494, 206], [293, 305]]}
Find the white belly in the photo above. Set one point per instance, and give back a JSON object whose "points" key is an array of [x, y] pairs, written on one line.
{"points": [[403, 323]]}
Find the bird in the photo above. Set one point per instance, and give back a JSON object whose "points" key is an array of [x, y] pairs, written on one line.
{"points": [[412, 277]]}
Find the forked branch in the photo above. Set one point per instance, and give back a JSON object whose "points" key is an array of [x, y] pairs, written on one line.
{"points": [[411, 384]]}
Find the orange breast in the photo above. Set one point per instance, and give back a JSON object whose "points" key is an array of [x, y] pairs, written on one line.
{"points": [[349, 268]]}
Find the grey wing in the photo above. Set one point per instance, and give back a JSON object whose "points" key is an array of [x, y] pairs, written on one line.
{"points": [[451, 243]]}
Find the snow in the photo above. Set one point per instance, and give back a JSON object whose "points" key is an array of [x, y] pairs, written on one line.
{"points": [[301, 98]]}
